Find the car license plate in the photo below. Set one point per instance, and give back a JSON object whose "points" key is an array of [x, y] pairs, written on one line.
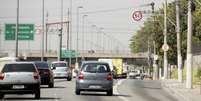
{"points": [[18, 86], [94, 87]]}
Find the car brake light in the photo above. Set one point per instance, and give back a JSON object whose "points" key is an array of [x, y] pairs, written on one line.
{"points": [[81, 76], [36, 76], [109, 76], [1, 76]]}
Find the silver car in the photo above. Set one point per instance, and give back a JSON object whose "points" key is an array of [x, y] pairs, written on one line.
{"points": [[61, 70], [94, 76], [19, 78]]}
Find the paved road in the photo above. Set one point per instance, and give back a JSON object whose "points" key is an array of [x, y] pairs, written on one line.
{"points": [[129, 90], [144, 90]]}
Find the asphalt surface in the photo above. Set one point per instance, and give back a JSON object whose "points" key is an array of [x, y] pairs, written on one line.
{"points": [[124, 90]]}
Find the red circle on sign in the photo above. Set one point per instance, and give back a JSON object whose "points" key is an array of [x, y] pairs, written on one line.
{"points": [[137, 15]]}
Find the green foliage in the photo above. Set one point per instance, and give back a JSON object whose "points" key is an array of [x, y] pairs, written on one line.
{"points": [[199, 73], [154, 31]]}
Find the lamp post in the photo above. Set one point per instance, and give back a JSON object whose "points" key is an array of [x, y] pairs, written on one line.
{"points": [[77, 44], [16, 32], [43, 24], [60, 35], [83, 32]]}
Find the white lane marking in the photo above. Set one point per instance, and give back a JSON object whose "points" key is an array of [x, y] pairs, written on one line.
{"points": [[116, 91]]}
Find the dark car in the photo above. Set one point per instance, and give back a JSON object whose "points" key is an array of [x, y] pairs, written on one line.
{"points": [[46, 74], [94, 76]]}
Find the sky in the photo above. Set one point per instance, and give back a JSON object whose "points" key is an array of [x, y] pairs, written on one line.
{"points": [[112, 17]]}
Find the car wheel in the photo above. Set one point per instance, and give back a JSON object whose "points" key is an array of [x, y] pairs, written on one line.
{"points": [[69, 78], [110, 92], [1, 96], [37, 94], [51, 85], [77, 92]]}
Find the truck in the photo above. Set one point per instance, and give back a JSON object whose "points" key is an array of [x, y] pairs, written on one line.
{"points": [[117, 66], [120, 69]]}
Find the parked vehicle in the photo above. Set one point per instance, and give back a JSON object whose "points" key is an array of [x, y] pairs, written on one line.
{"points": [[46, 74], [94, 76], [61, 70], [19, 78]]}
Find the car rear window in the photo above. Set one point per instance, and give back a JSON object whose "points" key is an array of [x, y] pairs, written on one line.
{"points": [[59, 65], [42, 65], [95, 68], [19, 68]]}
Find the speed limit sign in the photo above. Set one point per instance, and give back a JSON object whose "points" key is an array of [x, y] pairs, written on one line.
{"points": [[137, 15]]}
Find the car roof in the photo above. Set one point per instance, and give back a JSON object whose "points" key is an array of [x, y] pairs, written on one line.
{"points": [[84, 62], [40, 62], [20, 63], [59, 62]]}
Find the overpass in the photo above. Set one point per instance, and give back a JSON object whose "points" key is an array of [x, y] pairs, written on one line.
{"points": [[129, 58]]}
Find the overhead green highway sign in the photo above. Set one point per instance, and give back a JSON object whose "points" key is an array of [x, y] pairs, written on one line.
{"points": [[26, 31]]}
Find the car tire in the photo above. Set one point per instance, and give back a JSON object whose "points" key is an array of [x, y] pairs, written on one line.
{"points": [[77, 92], [1, 96], [69, 78], [51, 85], [110, 92], [37, 94]]}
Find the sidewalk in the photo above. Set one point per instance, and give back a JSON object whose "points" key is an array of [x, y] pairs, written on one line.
{"points": [[180, 92]]}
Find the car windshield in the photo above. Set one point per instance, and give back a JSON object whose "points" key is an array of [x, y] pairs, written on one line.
{"points": [[95, 68], [59, 65], [18, 68], [42, 65]]}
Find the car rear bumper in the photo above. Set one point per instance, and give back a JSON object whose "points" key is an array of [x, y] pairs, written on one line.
{"points": [[28, 88], [45, 80], [94, 86], [62, 75]]}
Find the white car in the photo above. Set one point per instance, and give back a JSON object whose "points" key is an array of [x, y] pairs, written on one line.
{"points": [[19, 78], [61, 70]]}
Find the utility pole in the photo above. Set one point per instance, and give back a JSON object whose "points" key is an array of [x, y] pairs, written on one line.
{"points": [[61, 32], [43, 24], [179, 57], [17, 31], [155, 67], [189, 47], [165, 41]]}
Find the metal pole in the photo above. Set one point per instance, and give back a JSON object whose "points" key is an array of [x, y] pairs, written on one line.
{"points": [[83, 32], [189, 47], [16, 32], [165, 41], [61, 32], [43, 24], [77, 44], [70, 29], [179, 57]]}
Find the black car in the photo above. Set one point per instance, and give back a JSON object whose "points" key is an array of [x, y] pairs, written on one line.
{"points": [[46, 74]]}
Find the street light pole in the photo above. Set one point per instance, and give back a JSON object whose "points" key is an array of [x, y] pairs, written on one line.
{"points": [[61, 32], [83, 32], [43, 24], [77, 43], [165, 42], [179, 57], [189, 47], [17, 30]]}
